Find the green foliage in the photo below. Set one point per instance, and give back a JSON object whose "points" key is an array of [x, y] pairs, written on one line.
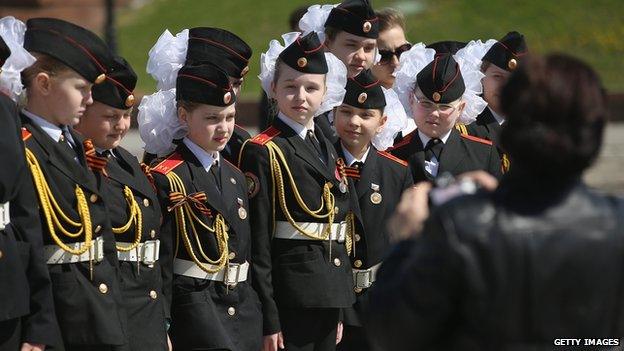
{"points": [[592, 30]]}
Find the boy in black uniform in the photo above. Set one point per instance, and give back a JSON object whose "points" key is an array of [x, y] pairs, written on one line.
{"points": [[27, 319], [132, 204], [351, 31], [299, 206], [498, 63], [379, 180], [435, 146], [79, 246], [206, 232]]}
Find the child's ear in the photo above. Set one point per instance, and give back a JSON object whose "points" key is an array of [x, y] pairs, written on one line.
{"points": [[43, 83], [272, 90], [182, 115], [382, 123]]}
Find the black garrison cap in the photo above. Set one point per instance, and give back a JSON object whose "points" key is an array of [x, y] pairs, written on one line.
{"points": [[441, 80], [116, 90], [204, 84], [219, 47], [507, 53], [306, 55], [76, 47], [364, 91], [356, 17]]}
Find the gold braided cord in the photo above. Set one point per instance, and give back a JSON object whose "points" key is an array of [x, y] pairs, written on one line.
{"points": [[219, 229], [52, 210], [277, 160], [349, 240], [136, 217]]}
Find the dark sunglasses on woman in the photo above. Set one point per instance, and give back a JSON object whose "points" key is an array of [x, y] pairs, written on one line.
{"points": [[386, 55]]}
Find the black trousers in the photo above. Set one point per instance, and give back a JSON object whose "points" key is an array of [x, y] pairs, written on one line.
{"points": [[10, 335], [353, 339], [309, 329]]}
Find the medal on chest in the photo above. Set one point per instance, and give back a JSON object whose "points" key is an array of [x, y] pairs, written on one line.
{"points": [[242, 213], [375, 197]]}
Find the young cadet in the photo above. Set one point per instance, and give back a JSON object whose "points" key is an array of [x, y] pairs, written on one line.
{"points": [[299, 204], [27, 319], [436, 102], [351, 30], [131, 200], [79, 246], [221, 48], [231, 53], [205, 233], [498, 63], [379, 180]]}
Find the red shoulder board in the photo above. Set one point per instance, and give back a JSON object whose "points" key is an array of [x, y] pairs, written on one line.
{"points": [[392, 157], [168, 164], [406, 140], [265, 136], [478, 140], [25, 134]]}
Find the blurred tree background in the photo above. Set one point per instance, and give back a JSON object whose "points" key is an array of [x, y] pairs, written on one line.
{"points": [[592, 30]]}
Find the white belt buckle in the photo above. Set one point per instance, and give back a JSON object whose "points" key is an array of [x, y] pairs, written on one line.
{"points": [[5, 217], [342, 232], [97, 249], [233, 274], [363, 279], [151, 250]]}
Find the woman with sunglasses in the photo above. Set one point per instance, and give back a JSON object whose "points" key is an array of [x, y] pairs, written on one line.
{"points": [[439, 90], [391, 43]]}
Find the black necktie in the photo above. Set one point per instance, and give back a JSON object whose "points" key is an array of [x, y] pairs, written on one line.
{"points": [[65, 144], [433, 148], [314, 143], [214, 171]]}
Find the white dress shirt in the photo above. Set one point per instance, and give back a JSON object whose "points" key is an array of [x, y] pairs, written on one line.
{"points": [[207, 159], [433, 165]]}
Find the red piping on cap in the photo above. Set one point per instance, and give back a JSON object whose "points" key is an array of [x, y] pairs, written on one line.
{"points": [[435, 64], [512, 52], [205, 81], [225, 47], [364, 86], [75, 43], [119, 84], [309, 51]]}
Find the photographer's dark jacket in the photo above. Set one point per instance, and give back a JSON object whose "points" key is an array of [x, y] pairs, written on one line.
{"points": [[515, 269]]}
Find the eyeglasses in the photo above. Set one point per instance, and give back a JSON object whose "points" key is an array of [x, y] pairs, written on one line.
{"points": [[386, 55], [428, 106]]}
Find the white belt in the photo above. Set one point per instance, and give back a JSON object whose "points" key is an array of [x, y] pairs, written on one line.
{"points": [[53, 254], [364, 278], [146, 253], [284, 230], [5, 217], [236, 272]]}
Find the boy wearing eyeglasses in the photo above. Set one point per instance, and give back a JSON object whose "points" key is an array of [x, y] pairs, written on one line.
{"points": [[391, 43], [436, 147]]}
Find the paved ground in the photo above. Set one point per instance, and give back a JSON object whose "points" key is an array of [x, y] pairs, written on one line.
{"points": [[607, 174]]}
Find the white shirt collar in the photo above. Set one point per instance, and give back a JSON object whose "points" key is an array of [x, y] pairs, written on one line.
{"points": [[101, 151], [425, 139], [300, 129], [500, 119], [50, 129], [350, 159], [205, 158]]}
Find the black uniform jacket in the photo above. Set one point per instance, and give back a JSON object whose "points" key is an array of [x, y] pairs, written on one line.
{"points": [[508, 271], [295, 273], [390, 176], [322, 121], [461, 153], [234, 145], [88, 310], [25, 290], [205, 314], [486, 127], [141, 284]]}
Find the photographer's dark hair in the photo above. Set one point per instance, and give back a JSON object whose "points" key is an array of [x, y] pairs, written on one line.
{"points": [[555, 109]]}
